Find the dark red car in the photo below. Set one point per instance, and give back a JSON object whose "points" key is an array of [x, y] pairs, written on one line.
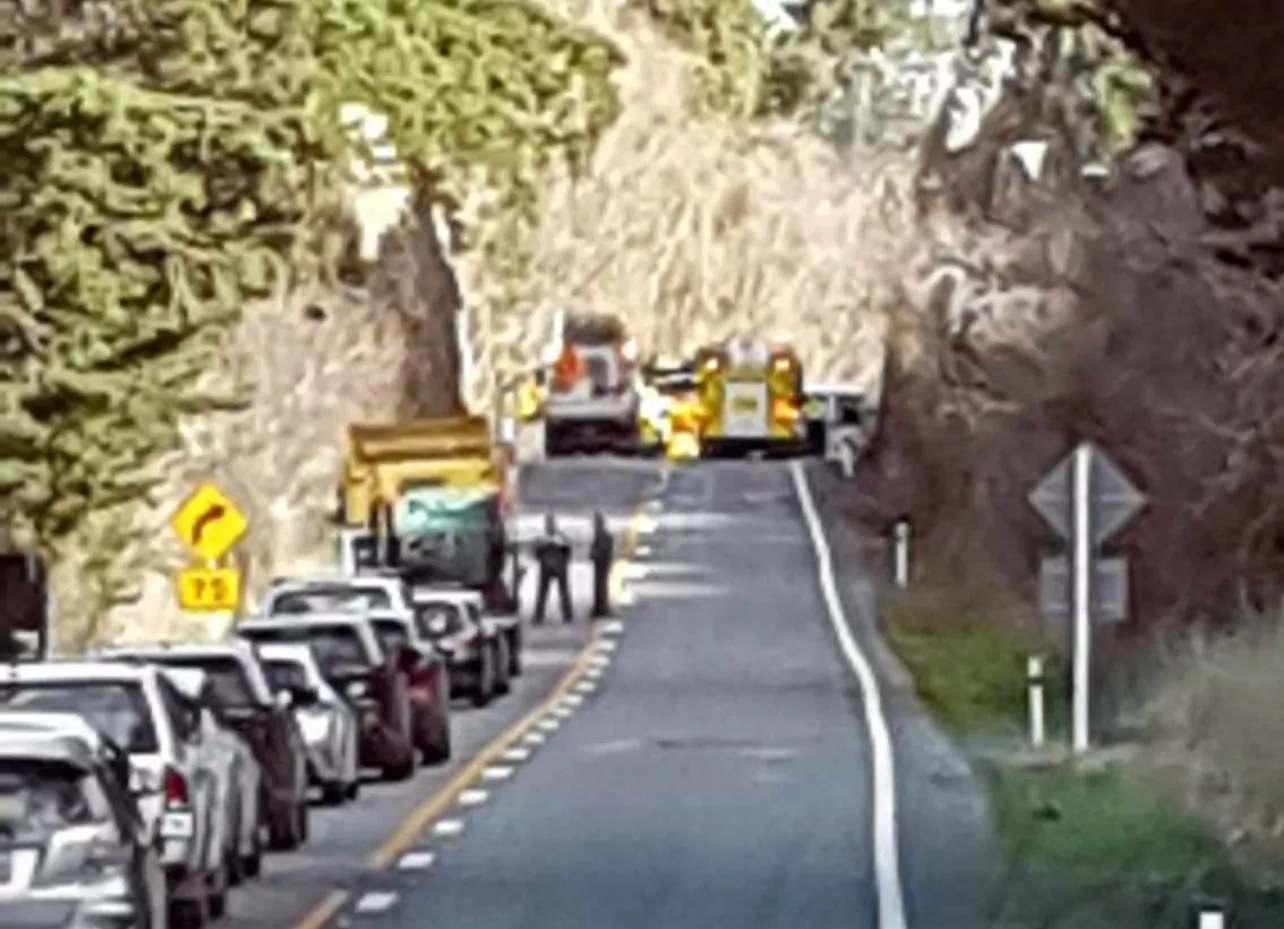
{"points": [[428, 676], [364, 673]]}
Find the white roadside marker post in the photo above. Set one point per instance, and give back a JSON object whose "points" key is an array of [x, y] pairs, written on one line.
{"points": [[1212, 919], [1034, 674], [901, 535]]}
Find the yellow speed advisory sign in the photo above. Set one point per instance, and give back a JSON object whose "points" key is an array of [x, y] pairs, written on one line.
{"points": [[208, 590], [208, 523]]}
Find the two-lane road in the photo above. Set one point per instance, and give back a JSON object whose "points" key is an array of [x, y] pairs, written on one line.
{"points": [[713, 759]]}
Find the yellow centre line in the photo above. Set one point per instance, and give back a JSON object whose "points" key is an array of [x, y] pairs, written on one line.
{"points": [[434, 805]]}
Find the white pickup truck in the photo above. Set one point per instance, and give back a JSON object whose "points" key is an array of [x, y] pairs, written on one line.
{"points": [[592, 400]]}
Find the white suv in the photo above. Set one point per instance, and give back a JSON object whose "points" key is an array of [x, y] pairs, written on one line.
{"points": [[338, 593], [174, 775]]}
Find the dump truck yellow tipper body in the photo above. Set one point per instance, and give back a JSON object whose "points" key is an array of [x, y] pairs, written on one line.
{"points": [[439, 488]]}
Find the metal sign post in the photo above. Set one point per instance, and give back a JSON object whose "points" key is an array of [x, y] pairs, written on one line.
{"points": [[1086, 499], [1082, 571]]}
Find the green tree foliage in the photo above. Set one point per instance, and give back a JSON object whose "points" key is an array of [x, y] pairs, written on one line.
{"points": [[166, 161], [744, 70]]}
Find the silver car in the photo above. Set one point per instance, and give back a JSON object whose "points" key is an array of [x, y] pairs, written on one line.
{"points": [[74, 848], [327, 720]]}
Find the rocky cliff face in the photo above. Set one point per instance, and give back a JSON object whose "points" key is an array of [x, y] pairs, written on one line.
{"points": [[1063, 290]]}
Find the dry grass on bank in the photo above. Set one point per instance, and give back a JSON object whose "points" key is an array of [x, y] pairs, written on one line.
{"points": [[1219, 738], [695, 231]]}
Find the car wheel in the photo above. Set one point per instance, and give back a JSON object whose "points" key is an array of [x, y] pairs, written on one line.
{"points": [[439, 751], [503, 678], [303, 816], [283, 830], [216, 901], [235, 876], [515, 656], [485, 689], [252, 863], [334, 793], [405, 768], [189, 913]]}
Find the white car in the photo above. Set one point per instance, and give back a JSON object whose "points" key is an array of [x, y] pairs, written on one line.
{"points": [[175, 768], [240, 779], [337, 593], [77, 842], [328, 722], [507, 627]]}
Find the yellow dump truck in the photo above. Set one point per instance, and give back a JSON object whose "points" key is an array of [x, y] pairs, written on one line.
{"points": [[436, 496]]}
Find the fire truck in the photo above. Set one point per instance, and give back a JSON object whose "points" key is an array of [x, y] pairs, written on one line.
{"points": [[751, 398], [591, 401]]}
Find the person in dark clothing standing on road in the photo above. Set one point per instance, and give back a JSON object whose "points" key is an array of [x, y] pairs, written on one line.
{"points": [[553, 556], [602, 554]]}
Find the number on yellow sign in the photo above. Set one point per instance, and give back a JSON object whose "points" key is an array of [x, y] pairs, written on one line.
{"points": [[208, 590]]}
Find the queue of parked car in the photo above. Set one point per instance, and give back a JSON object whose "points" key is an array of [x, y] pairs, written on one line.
{"points": [[138, 784]]}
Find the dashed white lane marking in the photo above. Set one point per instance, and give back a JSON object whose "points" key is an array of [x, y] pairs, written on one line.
{"points": [[376, 901], [627, 597], [607, 645], [636, 572], [416, 861], [590, 674], [654, 506], [572, 700], [448, 827], [562, 712], [611, 627], [550, 724], [496, 773], [599, 661], [647, 525], [891, 894], [516, 755], [535, 738], [472, 797], [642, 551], [586, 687]]}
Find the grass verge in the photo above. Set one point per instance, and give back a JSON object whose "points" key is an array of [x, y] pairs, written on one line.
{"points": [[1088, 846]]}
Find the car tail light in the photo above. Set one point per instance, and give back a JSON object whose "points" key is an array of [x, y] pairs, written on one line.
{"points": [[174, 786]]}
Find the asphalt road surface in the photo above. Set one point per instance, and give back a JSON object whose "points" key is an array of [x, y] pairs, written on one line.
{"points": [[719, 755]]}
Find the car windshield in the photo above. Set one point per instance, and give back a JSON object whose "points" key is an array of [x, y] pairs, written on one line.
{"points": [[226, 683], [331, 599], [392, 633], [286, 674], [117, 709], [435, 620], [334, 646], [38, 797]]}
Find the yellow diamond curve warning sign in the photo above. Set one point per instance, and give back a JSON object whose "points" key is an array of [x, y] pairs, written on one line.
{"points": [[208, 523], [208, 590]]}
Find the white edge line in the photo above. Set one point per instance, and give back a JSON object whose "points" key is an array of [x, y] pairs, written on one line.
{"points": [[891, 897]]}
